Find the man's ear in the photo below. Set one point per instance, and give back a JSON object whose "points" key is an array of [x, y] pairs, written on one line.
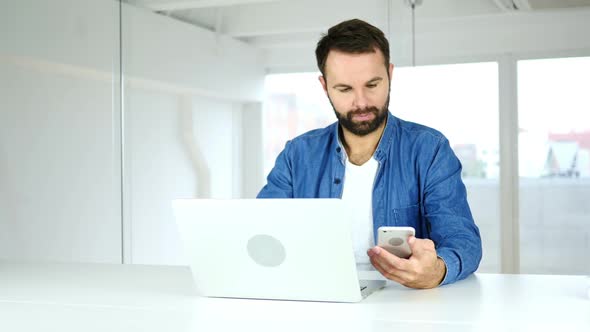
{"points": [[390, 70], [323, 82]]}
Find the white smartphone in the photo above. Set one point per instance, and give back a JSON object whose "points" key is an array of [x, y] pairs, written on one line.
{"points": [[395, 240]]}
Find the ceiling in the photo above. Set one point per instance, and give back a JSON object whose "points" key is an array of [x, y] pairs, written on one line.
{"points": [[279, 23], [279, 26]]}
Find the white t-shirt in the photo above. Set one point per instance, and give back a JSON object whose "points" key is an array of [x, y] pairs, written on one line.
{"points": [[358, 193]]}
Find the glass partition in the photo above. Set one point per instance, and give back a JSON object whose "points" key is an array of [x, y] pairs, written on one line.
{"points": [[59, 143]]}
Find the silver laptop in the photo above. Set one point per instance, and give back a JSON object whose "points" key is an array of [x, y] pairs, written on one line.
{"points": [[287, 249]]}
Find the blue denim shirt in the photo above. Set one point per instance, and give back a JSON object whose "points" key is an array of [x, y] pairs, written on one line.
{"points": [[418, 183]]}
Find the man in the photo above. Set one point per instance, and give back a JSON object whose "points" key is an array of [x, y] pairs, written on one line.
{"points": [[394, 172]]}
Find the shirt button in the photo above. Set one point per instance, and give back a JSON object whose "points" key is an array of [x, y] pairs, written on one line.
{"points": [[338, 149], [337, 181]]}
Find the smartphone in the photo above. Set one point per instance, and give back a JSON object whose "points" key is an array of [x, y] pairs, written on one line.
{"points": [[395, 240]]}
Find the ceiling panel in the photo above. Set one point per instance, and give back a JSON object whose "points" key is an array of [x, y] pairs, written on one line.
{"points": [[553, 4]]}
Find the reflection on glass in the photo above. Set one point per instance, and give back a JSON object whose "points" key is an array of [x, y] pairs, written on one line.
{"points": [[459, 100], [554, 165]]}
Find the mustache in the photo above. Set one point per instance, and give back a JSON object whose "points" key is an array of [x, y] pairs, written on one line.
{"points": [[371, 109]]}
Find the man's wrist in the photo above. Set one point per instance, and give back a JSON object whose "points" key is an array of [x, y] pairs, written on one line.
{"points": [[441, 269]]}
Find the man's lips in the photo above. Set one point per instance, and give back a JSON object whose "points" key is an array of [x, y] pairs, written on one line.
{"points": [[364, 116]]}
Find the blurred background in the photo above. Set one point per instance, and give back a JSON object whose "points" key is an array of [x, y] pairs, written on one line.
{"points": [[111, 109]]}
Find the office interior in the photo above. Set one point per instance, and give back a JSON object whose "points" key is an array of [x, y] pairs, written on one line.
{"points": [[109, 110]]}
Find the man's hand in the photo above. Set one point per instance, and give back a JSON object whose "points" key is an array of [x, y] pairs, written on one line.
{"points": [[422, 270]]}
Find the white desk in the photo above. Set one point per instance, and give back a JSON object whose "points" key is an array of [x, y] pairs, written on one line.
{"points": [[95, 297]]}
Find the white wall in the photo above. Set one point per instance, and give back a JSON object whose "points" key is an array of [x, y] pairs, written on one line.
{"points": [[59, 163], [60, 181]]}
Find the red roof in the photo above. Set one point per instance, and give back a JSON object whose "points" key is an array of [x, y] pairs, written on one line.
{"points": [[583, 138]]}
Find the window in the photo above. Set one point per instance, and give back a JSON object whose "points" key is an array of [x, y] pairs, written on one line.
{"points": [[554, 165]]}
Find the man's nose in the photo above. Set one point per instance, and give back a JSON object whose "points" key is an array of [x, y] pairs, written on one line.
{"points": [[360, 100]]}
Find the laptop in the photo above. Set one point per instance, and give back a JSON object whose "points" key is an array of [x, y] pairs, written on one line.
{"points": [[283, 249]]}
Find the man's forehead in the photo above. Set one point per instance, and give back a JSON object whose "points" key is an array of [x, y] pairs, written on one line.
{"points": [[355, 66]]}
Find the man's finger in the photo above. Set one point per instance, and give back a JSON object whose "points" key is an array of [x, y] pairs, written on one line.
{"points": [[388, 260], [420, 246], [414, 245], [382, 265], [399, 263], [387, 274]]}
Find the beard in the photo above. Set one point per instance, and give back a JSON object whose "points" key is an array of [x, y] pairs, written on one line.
{"points": [[363, 128]]}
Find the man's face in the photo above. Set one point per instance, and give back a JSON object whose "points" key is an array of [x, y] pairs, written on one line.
{"points": [[357, 86]]}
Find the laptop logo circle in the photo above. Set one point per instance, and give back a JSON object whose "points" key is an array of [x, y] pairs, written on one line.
{"points": [[266, 250]]}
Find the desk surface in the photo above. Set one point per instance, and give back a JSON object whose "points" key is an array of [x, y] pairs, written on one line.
{"points": [[101, 297]]}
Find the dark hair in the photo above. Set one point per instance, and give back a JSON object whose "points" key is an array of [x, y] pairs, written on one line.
{"points": [[352, 36]]}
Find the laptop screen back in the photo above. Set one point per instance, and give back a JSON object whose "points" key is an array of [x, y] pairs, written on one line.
{"points": [[294, 249]]}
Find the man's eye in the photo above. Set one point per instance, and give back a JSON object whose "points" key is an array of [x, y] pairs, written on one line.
{"points": [[344, 90], [370, 86]]}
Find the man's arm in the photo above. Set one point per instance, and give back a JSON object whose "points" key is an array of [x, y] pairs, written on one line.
{"points": [[456, 237], [455, 249], [279, 182]]}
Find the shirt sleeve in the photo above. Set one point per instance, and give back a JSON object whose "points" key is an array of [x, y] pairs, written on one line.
{"points": [[279, 183], [452, 228]]}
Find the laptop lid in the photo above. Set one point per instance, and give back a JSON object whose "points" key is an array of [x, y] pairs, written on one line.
{"points": [[290, 249]]}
